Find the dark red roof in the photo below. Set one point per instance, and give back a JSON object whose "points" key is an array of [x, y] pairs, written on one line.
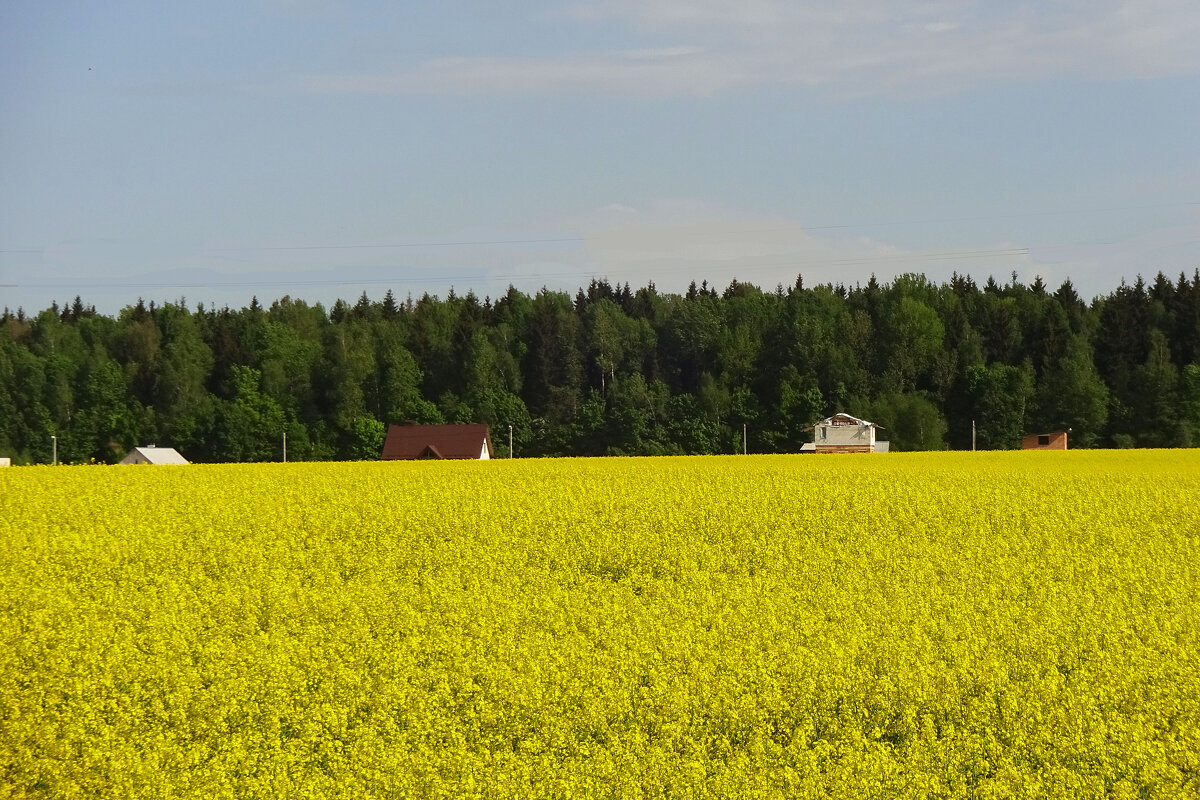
{"points": [[435, 441]]}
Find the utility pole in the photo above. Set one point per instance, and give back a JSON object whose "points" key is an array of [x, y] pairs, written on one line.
{"points": [[972, 436], [510, 453], [54, 444], [285, 447], [743, 438]]}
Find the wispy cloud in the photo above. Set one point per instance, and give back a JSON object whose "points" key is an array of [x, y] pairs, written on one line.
{"points": [[770, 252], [680, 239], [704, 47], [651, 71], [676, 240]]}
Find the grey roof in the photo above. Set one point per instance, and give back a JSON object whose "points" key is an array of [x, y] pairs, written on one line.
{"points": [[153, 455]]}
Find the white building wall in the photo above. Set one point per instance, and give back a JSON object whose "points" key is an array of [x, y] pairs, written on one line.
{"points": [[858, 435]]}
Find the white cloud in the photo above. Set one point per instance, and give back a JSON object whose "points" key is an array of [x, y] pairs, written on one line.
{"points": [[939, 27], [773, 252], [643, 72], [673, 241], [858, 46], [656, 53]]}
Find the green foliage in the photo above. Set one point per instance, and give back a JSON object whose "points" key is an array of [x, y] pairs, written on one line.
{"points": [[1189, 404], [914, 335], [635, 413], [1156, 401], [251, 426], [800, 405], [910, 422], [1072, 396], [999, 397], [614, 371], [366, 439]]}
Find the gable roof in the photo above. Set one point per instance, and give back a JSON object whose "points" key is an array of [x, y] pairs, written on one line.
{"points": [[844, 419], [153, 455], [435, 441]]}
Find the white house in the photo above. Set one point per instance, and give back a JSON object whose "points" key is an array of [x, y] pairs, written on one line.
{"points": [[843, 433], [153, 455]]}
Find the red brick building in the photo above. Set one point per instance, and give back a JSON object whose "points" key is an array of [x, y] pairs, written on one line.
{"points": [[1055, 440]]}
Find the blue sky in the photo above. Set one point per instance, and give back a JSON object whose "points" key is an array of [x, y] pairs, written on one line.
{"points": [[318, 148]]}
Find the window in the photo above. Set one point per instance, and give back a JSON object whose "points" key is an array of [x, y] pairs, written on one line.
{"points": [[824, 430], [1043, 440]]}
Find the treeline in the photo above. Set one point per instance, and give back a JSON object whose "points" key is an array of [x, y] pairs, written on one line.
{"points": [[610, 371]]}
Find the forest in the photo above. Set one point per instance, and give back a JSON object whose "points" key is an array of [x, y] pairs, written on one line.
{"points": [[610, 371]]}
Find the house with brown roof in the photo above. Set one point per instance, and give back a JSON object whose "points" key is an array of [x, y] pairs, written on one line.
{"points": [[410, 441]]}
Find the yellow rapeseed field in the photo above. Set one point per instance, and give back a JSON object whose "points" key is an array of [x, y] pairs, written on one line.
{"points": [[926, 625]]}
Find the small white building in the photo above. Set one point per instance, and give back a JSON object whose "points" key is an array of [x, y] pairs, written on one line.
{"points": [[843, 433], [6, 461], [153, 455]]}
